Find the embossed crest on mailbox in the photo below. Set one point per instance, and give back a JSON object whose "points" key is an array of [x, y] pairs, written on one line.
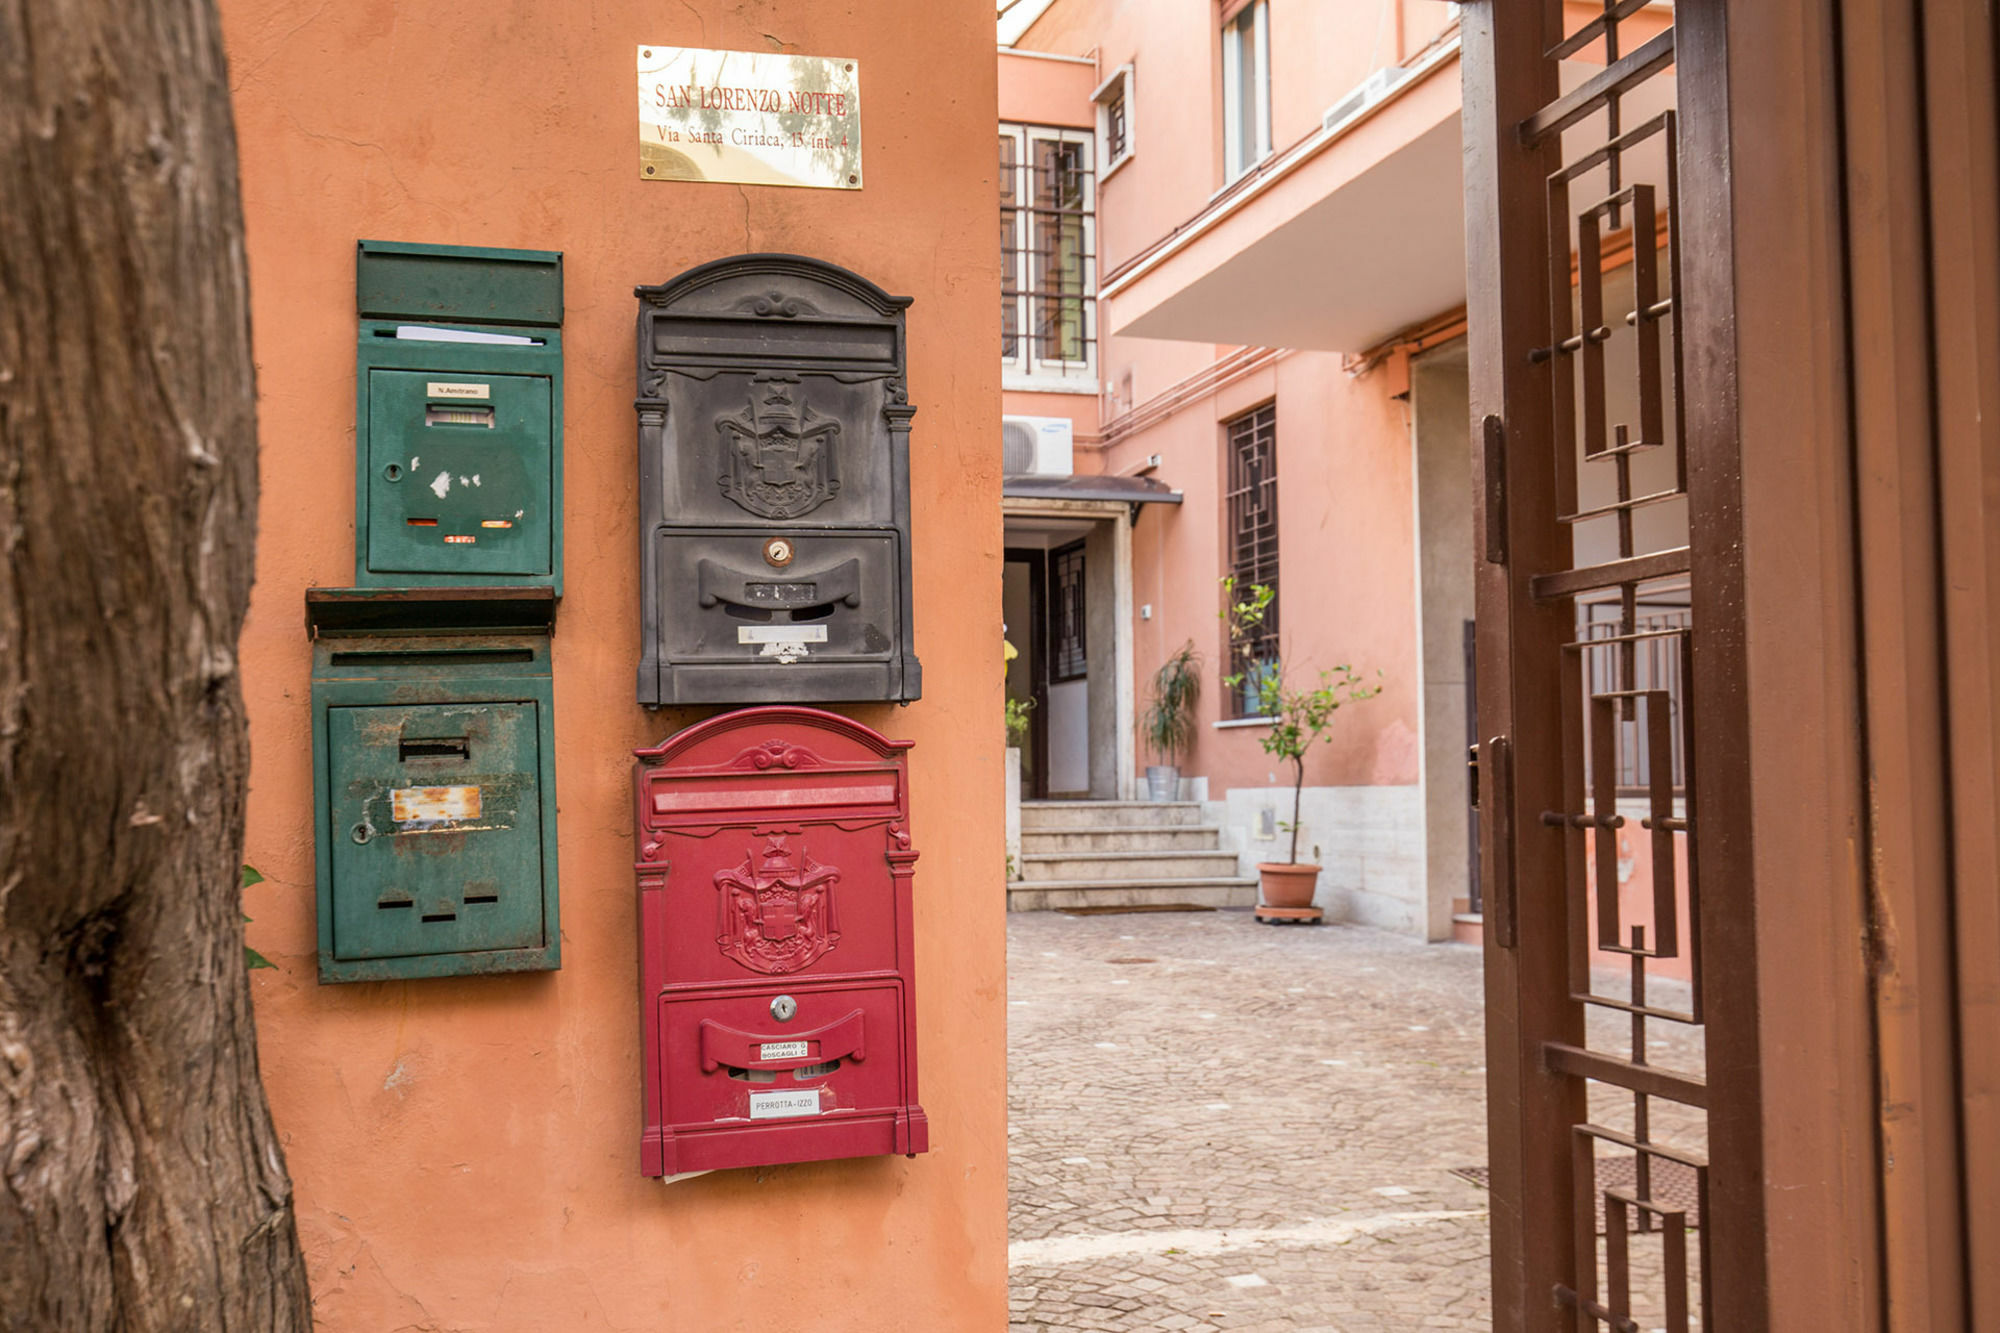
{"points": [[775, 873], [774, 483]]}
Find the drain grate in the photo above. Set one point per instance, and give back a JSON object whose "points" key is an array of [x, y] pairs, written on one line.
{"points": [[1124, 908], [1131, 960], [1674, 1187]]}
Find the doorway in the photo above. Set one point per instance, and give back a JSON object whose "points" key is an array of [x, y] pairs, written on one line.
{"points": [[1024, 605], [1066, 599]]}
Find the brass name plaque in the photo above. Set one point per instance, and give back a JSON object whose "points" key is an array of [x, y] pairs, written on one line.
{"points": [[749, 118]]}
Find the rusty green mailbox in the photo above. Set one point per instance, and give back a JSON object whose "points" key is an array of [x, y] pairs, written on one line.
{"points": [[434, 785], [458, 427]]}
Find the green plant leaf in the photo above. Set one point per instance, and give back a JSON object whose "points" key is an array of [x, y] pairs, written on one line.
{"points": [[251, 958]]}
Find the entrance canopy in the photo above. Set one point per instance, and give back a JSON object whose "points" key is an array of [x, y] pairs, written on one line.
{"points": [[1129, 490]]}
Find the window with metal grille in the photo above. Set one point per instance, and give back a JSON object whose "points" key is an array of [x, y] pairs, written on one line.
{"points": [[1048, 260], [1066, 623], [1252, 517], [1114, 120]]}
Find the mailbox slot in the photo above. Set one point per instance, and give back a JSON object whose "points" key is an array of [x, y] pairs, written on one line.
{"points": [[847, 1093], [837, 599]]}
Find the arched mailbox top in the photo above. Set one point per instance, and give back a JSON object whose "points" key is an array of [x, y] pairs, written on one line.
{"points": [[774, 738], [774, 420], [799, 279]]}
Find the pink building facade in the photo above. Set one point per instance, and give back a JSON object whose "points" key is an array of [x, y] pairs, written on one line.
{"points": [[1266, 379]]}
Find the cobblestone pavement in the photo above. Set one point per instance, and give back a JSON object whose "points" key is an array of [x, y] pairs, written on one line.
{"points": [[1219, 1124]]}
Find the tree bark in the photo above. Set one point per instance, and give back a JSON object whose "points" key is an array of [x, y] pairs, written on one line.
{"points": [[1298, 797], [141, 1182]]}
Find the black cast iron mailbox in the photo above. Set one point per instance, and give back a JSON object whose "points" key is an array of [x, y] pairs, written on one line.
{"points": [[774, 485]]}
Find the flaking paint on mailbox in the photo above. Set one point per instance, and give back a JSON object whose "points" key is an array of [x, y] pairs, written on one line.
{"points": [[434, 804], [775, 872]]}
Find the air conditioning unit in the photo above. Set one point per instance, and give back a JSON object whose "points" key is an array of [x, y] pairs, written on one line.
{"points": [[1371, 90], [1037, 447]]}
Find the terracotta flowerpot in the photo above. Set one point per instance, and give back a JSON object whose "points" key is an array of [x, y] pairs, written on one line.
{"points": [[1286, 884]]}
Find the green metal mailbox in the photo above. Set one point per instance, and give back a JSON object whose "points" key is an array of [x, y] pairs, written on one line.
{"points": [[458, 428], [434, 786]]}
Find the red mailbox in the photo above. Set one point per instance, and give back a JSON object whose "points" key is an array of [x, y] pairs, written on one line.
{"points": [[775, 955]]}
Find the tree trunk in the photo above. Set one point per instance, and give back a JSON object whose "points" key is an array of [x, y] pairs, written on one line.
{"points": [[141, 1182], [1298, 795]]}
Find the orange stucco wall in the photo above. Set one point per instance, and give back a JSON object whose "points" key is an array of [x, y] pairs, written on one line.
{"points": [[465, 1152]]}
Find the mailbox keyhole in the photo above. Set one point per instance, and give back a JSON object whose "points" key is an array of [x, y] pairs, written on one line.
{"points": [[393, 472]]}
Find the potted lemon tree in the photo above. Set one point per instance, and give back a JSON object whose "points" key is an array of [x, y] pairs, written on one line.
{"points": [[1301, 717]]}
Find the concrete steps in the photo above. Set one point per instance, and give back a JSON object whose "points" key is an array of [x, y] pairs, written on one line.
{"points": [[1122, 838], [1039, 815], [1134, 865], [1026, 897], [1123, 854]]}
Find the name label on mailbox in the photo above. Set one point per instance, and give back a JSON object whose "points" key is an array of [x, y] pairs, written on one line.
{"points": [[434, 389], [783, 1050], [413, 805], [781, 634], [783, 1105]]}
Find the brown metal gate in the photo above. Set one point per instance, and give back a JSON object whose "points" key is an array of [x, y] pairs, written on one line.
{"points": [[1735, 348], [1609, 1140]]}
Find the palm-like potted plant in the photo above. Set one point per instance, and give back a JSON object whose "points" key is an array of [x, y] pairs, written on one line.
{"points": [[1170, 719], [1300, 718]]}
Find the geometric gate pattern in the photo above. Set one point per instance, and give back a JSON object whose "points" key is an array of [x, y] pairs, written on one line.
{"points": [[1618, 467]]}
